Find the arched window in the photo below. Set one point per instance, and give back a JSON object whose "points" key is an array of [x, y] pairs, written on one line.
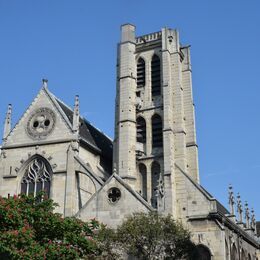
{"points": [[157, 140], [156, 76], [37, 177], [243, 255], [140, 73], [249, 257], [156, 171], [143, 177], [203, 252], [141, 130], [234, 255]]}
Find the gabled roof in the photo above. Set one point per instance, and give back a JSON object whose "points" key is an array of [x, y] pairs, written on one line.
{"points": [[89, 134], [125, 185]]}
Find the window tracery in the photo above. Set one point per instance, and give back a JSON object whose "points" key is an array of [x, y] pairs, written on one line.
{"points": [[37, 178]]}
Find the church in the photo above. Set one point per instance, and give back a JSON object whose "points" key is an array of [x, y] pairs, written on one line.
{"points": [[152, 163]]}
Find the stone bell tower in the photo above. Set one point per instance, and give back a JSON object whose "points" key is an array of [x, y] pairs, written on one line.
{"points": [[154, 126]]}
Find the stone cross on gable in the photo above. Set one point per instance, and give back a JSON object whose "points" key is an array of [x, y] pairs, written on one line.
{"points": [[247, 215], [239, 208], [231, 200]]}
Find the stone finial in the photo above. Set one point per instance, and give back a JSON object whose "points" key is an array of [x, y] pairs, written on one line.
{"points": [[75, 126], [253, 221], [231, 200], [8, 122], [247, 215], [44, 83], [114, 168], [239, 208]]}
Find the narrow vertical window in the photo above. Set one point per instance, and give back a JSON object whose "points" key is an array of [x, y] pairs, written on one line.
{"points": [[140, 73], [143, 178], [156, 76], [37, 177], [140, 136], [243, 255], [157, 135], [227, 249], [156, 171], [140, 130], [234, 254]]}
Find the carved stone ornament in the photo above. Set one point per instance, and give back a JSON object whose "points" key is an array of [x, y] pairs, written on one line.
{"points": [[41, 123]]}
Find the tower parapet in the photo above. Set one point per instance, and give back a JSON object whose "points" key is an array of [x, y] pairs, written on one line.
{"points": [[149, 37]]}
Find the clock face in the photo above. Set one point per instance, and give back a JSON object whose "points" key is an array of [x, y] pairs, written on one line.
{"points": [[40, 124]]}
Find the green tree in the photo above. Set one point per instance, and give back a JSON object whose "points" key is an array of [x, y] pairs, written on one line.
{"points": [[29, 229], [151, 236]]}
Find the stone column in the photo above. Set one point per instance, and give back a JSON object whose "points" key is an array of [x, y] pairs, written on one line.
{"points": [[70, 192]]}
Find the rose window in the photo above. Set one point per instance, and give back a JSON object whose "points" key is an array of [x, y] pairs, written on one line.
{"points": [[41, 123]]}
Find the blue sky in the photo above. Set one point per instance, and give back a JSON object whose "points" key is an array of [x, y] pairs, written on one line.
{"points": [[73, 44]]}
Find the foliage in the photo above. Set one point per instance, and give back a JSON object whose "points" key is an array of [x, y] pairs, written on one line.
{"points": [[150, 236], [30, 230], [108, 244]]}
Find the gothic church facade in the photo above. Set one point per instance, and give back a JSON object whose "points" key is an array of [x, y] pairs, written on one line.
{"points": [[152, 165]]}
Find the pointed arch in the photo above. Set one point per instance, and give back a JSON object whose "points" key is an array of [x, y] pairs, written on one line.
{"points": [[156, 171], [156, 75], [140, 72], [243, 255], [203, 252], [249, 257], [157, 134], [234, 254], [37, 176], [143, 179]]}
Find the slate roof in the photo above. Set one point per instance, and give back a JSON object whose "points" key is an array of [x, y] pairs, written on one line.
{"points": [[91, 135]]}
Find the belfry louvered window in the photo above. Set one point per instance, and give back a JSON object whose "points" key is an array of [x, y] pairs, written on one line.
{"points": [[140, 130], [37, 177], [140, 73], [156, 76], [157, 134]]}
